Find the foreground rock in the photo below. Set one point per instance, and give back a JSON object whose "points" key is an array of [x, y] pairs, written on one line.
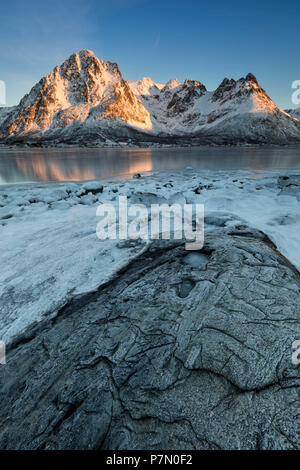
{"points": [[181, 350]]}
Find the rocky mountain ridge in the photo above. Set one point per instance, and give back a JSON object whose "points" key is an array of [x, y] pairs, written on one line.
{"points": [[294, 112], [87, 100]]}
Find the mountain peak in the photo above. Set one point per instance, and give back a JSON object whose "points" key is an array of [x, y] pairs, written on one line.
{"points": [[251, 78], [86, 59], [69, 92], [245, 86], [194, 85], [172, 83], [225, 86], [86, 53], [145, 86]]}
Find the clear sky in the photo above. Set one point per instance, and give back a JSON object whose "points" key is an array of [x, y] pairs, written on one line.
{"points": [[162, 39]]}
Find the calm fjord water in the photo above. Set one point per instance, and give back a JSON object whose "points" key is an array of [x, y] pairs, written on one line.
{"points": [[29, 165]]}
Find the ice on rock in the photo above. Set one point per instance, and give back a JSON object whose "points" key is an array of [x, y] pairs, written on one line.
{"points": [[71, 187], [93, 186], [60, 205], [5, 213], [88, 199], [54, 195], [46, 250], [185, 288], [176, 198], [196, 259]]}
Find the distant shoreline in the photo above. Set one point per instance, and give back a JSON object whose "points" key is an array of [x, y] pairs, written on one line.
{"points": [[37, 145]]}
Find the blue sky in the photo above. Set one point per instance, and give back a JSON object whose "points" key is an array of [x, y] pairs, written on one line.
{"points": [[162, 39]]}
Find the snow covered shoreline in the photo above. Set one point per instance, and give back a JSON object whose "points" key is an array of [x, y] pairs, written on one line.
{"points": [[186, 142], [50, 252]]}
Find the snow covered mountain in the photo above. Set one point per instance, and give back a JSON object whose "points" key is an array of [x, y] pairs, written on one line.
{"points": [[145, 87], [86, 100], [4, 112], [294, 112], [83, 90], [237, 110]]}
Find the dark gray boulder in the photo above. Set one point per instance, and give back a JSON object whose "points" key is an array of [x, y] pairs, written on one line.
{"points": [[171, 354]]}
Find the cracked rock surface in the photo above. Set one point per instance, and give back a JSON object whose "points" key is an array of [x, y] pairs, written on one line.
{"points": [[170, 354]]}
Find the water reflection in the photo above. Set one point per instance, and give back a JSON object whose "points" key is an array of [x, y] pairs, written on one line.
{"points": [[86, 164], [43, 169], [71, 165]]}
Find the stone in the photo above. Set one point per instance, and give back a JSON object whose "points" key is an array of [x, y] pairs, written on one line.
{"points": [[139, 365], [290, 186], [93, 187]]}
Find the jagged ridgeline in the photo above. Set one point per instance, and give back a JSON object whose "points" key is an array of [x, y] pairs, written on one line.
{"points": [[86, 100]]}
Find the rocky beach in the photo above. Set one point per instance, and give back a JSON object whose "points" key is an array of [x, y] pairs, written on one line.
{"points": [[141, 344]]}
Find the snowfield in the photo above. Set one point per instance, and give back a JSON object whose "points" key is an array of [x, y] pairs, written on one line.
{"points": [[50, 252]]}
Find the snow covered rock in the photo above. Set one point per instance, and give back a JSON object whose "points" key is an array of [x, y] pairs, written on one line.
{"points": [[294, 112], [158, 358], [290, 185], [93, 186], [4, 112]]}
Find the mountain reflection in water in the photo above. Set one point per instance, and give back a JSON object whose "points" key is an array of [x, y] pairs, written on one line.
{"points": [[71, 165], [25, 165]]}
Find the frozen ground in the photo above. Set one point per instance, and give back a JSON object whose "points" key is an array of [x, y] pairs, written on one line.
{"points": [[50, 251]]}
